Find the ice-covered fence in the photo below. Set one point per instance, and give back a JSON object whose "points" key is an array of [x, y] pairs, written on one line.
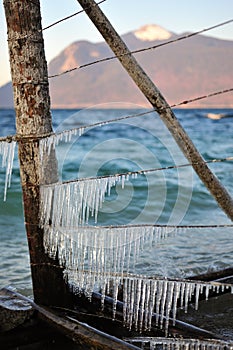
{"points": [[100, 259], [102, 249]]}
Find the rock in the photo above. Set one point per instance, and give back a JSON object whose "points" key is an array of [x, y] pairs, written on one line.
{"points": [[13, 311]]}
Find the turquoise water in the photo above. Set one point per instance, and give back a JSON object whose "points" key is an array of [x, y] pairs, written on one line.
{"points": [[174, 196]]}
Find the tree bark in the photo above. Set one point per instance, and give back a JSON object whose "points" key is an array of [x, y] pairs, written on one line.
{"points": [[156, 99], [33, 120]]}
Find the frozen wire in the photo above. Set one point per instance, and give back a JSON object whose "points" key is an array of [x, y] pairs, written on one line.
{"points": [[139, 172], [187, 36], [162, 226]]}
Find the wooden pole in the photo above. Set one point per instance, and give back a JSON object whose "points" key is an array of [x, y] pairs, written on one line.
{"points": [[156, 99], [33, 119]]}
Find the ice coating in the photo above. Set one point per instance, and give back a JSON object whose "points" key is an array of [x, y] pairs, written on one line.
{"points": [[100, 260], [180, 343], [50, 142], [144, 299], [7, 151], [70, 204], [99, 249]]}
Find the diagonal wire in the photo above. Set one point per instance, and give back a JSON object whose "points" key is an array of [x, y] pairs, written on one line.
{"points": [[70, 16], [186, 36]]}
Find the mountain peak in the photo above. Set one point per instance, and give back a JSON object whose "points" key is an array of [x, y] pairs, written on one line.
{"points": [[152, 32]]}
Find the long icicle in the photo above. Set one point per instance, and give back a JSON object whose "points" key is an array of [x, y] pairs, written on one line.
{"points": [[7, 151]]}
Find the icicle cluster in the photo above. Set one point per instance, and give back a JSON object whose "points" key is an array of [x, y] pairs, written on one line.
{"points": [[144, 298], [99, 259], [7, 151], [70, 204], [100, 250], [179, 344], [50, 142]]}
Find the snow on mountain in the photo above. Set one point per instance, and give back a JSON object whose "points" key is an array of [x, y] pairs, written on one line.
{"points": [[152, 32]]}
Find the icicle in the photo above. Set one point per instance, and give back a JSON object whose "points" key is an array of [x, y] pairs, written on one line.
{"points": [[142, 304], [170, 294], [179, 343], [79, 198], [7, 151], [50, 142], [99, 250], [143, 294]]}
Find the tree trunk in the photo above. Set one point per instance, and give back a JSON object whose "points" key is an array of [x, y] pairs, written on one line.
{"points": [[156, 99], [33, 120]]}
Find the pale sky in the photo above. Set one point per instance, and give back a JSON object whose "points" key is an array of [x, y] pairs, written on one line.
{"points": [[178, 16]]}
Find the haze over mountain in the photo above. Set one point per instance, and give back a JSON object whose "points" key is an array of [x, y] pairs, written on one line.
{"points": [[182, 70]]}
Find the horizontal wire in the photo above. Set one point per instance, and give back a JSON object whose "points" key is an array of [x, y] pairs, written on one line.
{"points": [[138, 172], [141, 225], [11, 138], [186, 36], [129, 275]]}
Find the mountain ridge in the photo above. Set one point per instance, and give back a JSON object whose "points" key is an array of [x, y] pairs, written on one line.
{"points": [[183, 70]]}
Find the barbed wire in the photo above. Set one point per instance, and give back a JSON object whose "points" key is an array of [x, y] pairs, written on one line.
{"points": [[172, 227], [52, 24], [15, 137], [134, 174], [70, 16], [186, 36]]}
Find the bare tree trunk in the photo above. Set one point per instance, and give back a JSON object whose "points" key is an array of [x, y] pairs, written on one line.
{"points": [[154, 96], [33, 120]]}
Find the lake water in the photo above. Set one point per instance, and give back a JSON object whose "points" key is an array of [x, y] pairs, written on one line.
{"points": [[172, 196]]}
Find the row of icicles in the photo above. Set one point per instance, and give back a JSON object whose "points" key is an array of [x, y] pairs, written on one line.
{"points": [[179, 343], [100, 259]]}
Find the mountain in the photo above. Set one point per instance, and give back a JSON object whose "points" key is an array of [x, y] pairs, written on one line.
{"points": [[182, 70], [6, 96]]}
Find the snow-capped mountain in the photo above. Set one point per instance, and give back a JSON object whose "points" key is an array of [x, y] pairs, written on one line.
{"points": [[182, 70], [152, 32]]}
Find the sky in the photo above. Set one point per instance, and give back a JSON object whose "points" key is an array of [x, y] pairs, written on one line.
{"points": [[177, 16]]}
